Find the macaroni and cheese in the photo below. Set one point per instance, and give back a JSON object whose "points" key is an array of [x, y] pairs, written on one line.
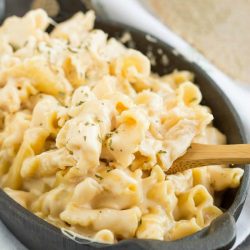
{"points": [[88, 133]]}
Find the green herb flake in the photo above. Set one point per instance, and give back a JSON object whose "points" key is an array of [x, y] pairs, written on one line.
{"points": [[140, 222], [115, 131], [49, 54], [61, 93], [99, 138], [72, 50], [26, 43], [193, 100], [86, 123], [110, 145], [98, 176], [80, 103], [85, 137], [14, 47], [162, 152], [108, 135]]}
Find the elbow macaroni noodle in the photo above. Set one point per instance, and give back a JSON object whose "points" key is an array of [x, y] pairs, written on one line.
{"points": [[87, 134]]}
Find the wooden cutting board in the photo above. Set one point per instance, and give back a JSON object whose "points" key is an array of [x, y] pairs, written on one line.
{"points": [[218, 29]]}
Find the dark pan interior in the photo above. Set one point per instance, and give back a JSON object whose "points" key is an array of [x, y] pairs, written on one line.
{"points": [[37, 234]]}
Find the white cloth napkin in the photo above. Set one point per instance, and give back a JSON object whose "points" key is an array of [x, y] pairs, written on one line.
{"points": [[132, 13]]}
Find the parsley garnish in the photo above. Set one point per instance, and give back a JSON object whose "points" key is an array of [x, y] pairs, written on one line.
{"points": [[194, 99], [61, 93], [108, 135], [115, 131], [80, 103], [98, 120], [110, 145], [162, 152], [140, 221], [98, 176], [14, 47], [99, 138], [72, 50]]}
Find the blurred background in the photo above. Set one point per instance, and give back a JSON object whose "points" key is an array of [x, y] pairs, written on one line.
{"points": [[218, 29]]}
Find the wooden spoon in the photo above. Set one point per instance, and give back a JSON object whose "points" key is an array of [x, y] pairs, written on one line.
{"points": [[203, 155]]}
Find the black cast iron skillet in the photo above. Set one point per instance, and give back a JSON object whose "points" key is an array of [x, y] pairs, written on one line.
{"points": [[37, 234]]}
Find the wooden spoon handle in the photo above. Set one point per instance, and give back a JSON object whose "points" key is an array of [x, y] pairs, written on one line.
{"points": [[203, 155]]}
